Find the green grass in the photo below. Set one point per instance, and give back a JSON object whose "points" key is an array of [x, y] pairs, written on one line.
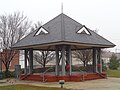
{"points": [[113, 73], [27, 87]]}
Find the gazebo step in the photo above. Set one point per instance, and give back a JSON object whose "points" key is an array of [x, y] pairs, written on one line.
{"points": [[76, 78]]}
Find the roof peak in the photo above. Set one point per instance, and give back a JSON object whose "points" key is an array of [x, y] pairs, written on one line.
{"points": [[62, 27]]}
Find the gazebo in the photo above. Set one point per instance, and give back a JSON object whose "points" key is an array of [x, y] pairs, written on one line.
{"points": [[63, 34]]}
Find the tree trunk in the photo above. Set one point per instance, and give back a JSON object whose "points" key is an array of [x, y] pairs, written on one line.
{"points": [[7, 74], [84, 63], [44, 64]]}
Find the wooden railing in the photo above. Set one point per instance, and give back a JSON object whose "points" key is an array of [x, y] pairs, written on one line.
{"points": [[101, 75], [44, 80], [83, 72], [24, 76]]}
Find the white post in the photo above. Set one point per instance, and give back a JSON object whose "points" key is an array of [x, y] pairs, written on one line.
{"points": [[63, 60], [57, 62], [70, 59], [31, 60], [25, 68], [100, 60], [96, 60]]}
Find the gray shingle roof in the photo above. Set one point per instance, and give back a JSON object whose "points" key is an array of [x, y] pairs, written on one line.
{"points": [[63, 29]]}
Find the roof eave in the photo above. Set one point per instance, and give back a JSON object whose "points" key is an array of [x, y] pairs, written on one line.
{"points": [[65, 43]]}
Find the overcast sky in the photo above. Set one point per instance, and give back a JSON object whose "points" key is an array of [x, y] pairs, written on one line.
{"points": [[103, 15]]}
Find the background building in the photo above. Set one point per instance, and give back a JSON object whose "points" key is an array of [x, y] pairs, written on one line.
{"points": [[14, 62]]}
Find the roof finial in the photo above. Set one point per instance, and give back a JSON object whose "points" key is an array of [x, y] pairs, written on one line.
{"points": [[61, 7]]}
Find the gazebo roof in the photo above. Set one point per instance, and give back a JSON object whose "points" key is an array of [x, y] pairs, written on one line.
{"points": [[62, 30]]}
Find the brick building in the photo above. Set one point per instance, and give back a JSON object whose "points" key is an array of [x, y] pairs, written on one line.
{"points": [[14, 62]]}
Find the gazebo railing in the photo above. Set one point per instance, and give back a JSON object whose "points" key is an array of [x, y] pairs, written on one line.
{"points": [[84, 73], [51, 68], [101, 75], [25, 76]]}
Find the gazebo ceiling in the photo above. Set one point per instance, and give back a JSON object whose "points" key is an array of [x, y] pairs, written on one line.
{"points": [[62, 30]]}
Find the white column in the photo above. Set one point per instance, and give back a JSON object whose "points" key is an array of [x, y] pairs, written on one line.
{"points": [[63, 60], [25, 56], [95, 69], [96, 60], [31, 60], [100, 60], [94, 57], [70, 59], [57, 61], [101, 66]]}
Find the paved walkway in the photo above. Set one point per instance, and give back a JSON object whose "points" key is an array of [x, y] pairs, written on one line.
{"points": [[101, 84]]}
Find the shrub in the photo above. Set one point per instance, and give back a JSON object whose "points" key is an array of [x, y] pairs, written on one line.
{"points": [[114, 62], [8, 74], [41, 70], [77, 68], [104, 68]]}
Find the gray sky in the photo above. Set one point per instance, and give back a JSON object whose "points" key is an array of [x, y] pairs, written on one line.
{"points": [[103, 15]]}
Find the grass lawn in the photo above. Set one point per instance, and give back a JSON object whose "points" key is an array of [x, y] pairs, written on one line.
{"points": [[113, 73], [27, 87]]}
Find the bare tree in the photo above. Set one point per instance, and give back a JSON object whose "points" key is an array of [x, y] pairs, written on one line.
{"points": [[13, 27], [36, 26], [43, 57], [84, 56]]}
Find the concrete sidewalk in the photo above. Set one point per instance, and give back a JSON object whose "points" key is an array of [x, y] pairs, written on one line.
{"points": [[101, 84]]}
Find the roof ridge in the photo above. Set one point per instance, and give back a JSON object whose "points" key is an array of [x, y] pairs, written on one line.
{"points": [[102, 37], [51, 20], [72, 19], [62, 27]]}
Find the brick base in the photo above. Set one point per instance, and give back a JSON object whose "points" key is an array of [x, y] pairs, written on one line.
{"points": [[75, 78]]}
